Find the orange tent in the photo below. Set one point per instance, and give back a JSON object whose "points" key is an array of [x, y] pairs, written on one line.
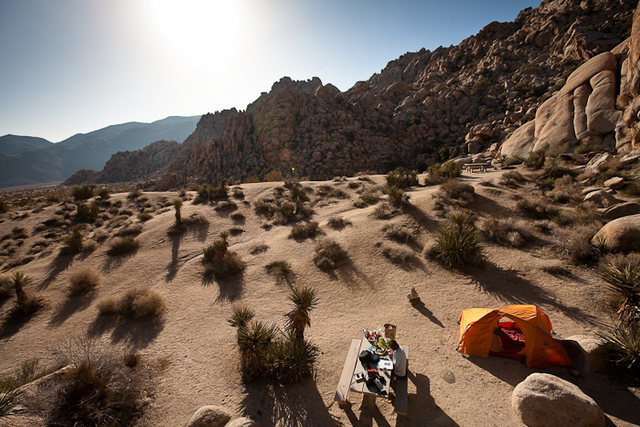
{"points": [[517, 331]]}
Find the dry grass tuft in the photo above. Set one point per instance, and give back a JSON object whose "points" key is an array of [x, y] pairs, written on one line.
{"points": [[135, 304], [123, 246], [397, 254], [329, 254], [506, 232], [83, 281], [338, 223], [305, 231]]}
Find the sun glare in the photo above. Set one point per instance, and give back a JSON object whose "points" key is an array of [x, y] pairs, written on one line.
{"points": [[198, 28]]}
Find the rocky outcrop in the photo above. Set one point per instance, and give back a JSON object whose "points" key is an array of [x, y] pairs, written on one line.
{"points": [[620, 210], [546, 400], [209, 416], [620, 235], [461, 98]]}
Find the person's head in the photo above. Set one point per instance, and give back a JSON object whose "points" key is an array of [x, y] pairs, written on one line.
{"points": [[394, 345]]}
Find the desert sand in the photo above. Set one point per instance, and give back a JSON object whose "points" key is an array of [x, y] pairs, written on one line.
{"points": [[199, 348]]}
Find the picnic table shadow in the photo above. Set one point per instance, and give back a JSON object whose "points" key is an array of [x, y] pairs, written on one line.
{"points": [[510, 287], [269, 403], [136, 334], [421, 407]]}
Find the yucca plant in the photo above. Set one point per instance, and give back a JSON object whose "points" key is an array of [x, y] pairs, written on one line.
{"points": [[624, 280], [19, 281], [458, 243], [304, 300], [177, 204], [26, 305], [292, 360], [624, 342], [241, 315], [7, 402], [254, 341]]}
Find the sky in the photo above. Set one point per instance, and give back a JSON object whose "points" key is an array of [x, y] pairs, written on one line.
{"points": [[74, 66]]}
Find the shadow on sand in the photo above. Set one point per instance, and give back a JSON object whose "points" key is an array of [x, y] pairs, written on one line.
{"points": [[292, 405], [57, 266], [427, 313], [136, 334], [508, 286], [230, 288], [114, 261], [70, 306]]}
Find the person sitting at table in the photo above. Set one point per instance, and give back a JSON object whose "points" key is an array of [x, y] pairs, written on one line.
{"points": [[399, 360]]}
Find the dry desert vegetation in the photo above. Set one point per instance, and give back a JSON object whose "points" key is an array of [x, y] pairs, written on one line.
{"points": [[247, 297]]}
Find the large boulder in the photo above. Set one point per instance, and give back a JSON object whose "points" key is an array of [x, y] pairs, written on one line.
{"points": [[601, 198], [241, 422], [592, 167], [521, 141], [620, 210], [209, 416], [593, 355], [580, 99], [620, 235], [546, 400], [582, 74], [614, 183], [601, 113], [554, 122]]}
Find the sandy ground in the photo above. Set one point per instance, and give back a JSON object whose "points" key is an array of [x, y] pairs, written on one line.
{"points": [[445, 387]]}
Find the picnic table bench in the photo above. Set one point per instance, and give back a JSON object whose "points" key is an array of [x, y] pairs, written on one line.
{"points": [[352, 365], [472, 167]]}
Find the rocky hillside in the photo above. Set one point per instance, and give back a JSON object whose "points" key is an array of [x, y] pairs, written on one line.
{"points": [[130, 165], [422, 107]]}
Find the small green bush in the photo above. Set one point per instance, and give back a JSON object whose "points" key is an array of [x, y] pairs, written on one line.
{"points": [[218, 258], [402, 178], [329, 254], [122, 246], [397, 197], [87, 212], [305, 231], [83, 192], [207, 193], [457, 243], [512, 179], [506, 231], [439, 173], [458, 190], [370, 196], [292, 360], [144, 217], [72, 244], [535, 160], [537, 209], [397, 254], [104, 193], [338, 223]]}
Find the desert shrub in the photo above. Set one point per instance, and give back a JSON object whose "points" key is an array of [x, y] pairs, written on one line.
{"points": [[564, 190], [386, 211], [580, 249], [622, 275], [265, 207], [237, 193], [87, 212], [4, 206], [131, 230], [26, 305], [338, 223], [207, 193], [5, 288], [292, 360], [624, 342], [556, 270], [83, 192], [402, 178], [329, 191], [122, 246], [273, 176], [285, 212], [241, 315], [305, 231], [535, 160], [220, 260], [132, 359], [237, 217], [135, 304], [537, 209], [439, 173], [72, 244], [134, 194], [399, 233], [98, 390], [144, 217], [512, 179], [83, 281], [370, 196], [506, 232], [103, 193], [397, 197], [253, 342], [279, 269], [258, 249], [458, 190], [30, 370], [554, 169], [397, 254], [512, 160], [329, 254], [457, 243]]}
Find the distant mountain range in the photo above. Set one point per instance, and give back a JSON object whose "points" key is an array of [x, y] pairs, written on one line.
{"points": [[26, 160]]}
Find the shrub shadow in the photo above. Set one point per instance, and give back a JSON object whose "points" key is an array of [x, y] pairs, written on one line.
{"points": [[420, 217], [14, 322], [133, 333], [508, 286], [114, 261], [57, 266], [70, 306], [292, 405], [230, 288]]}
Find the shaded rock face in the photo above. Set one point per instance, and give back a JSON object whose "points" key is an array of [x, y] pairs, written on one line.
{"points": [[620, 235], [546, 400], [468, 96]]}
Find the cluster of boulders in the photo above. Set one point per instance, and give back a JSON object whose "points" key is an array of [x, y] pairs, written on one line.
{"points": [[216, 416]]}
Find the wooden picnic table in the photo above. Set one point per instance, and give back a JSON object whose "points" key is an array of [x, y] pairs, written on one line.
{"points": [[480, 166], [370, 392]]}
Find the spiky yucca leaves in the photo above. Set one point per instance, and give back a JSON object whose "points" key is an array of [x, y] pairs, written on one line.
{"points": [[19, 281], [26, 305], [254, 341], [7, 402], [73, 242], [304, 301], [292, 360], [241, 315], [458, 243], [624, 280], [624, 342]]}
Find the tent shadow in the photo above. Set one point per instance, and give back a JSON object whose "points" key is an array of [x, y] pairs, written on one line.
{"points": [[270, 403], [511, 288]]}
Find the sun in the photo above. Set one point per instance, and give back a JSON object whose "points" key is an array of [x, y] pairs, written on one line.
{"points": [[195, 28]]}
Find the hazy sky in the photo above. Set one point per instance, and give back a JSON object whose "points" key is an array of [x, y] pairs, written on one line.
{"points": [[69, 66]]}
